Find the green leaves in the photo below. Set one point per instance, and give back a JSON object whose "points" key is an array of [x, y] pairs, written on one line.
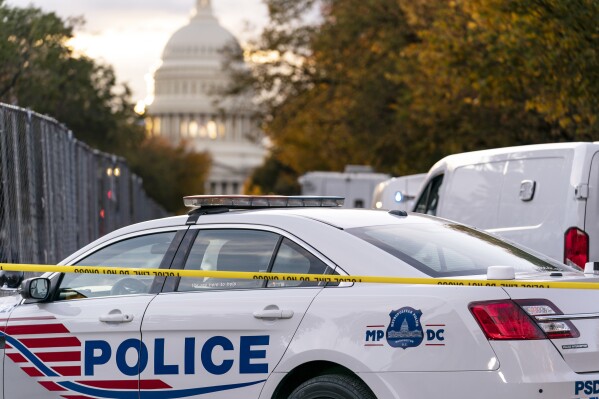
{"points": [[38, 70]]}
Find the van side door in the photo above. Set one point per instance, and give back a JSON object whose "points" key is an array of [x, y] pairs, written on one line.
{"points": [[591, 222]]}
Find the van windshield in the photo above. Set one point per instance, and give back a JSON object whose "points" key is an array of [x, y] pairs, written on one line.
{"points": [[445, 249]]}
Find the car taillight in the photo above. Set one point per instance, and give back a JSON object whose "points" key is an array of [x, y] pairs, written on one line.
{"points": [[576, 247], [546, 315], [521, 320], [501, 320]]}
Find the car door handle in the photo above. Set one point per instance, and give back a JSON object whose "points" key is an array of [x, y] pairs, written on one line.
{"points": [[116, 317], [273, 314]]}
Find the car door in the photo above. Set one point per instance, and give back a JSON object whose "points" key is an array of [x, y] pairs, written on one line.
{"points": [[221, 338], [85, 341], [7, 305]]}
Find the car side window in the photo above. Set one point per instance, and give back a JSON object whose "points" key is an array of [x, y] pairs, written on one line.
{"points": [[429, 199], [291, 258], [229, 250], [145, 251]]}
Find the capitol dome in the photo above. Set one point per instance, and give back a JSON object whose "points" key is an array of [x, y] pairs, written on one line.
{"points": [[203, 38], [187, 106]]}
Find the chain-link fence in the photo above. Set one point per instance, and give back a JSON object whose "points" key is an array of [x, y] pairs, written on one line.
{"points": [[56, 193]]}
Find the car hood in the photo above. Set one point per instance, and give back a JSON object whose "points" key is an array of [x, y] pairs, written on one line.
{"points": [[7, 304]]}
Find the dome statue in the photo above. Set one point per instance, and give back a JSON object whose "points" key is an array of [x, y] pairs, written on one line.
{"points": [[187, 107]]}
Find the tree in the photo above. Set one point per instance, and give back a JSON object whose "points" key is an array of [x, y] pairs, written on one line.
{"points": [[272, 177], [170, 173], [38, 70], [327, 97], [399, 84], [490, 73]]}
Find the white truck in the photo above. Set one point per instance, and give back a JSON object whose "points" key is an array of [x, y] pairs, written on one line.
{"points": [[356, 184], [398, 192], [545, 197]]}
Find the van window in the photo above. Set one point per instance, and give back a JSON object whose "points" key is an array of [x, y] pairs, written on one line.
{"points": [[447, 249], [429, 199]]}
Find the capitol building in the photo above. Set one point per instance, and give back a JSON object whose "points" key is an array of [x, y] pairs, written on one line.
{"points": [[187, 107]]}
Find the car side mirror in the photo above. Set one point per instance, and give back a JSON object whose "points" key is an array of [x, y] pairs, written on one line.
{"points": [[37, 288]]}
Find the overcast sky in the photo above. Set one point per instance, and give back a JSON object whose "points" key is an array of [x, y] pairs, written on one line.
{"points": [[131, 34]]}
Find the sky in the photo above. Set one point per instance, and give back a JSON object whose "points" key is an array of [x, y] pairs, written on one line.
{"points": [[131, 34]]}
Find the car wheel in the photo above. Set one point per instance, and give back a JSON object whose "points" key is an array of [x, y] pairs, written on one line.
{"points": [[332, 386]]}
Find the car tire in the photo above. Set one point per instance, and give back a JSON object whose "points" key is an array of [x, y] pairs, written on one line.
{"points": [[332, 386]]}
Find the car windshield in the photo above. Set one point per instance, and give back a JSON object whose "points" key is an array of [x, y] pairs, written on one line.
{"points": [[444, 249]]}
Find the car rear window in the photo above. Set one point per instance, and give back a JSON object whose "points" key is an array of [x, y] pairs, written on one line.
{"points": [[444, 250]]}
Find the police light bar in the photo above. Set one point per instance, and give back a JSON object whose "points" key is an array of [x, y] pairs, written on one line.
{"points": [[260, 201]]}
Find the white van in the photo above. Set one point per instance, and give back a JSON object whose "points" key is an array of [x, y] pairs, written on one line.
{"points": [[545, 196], [398, 192], [356, 184]]}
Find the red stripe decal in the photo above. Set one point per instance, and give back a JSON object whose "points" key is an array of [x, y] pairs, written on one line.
{"points": [[375, 326], [32, 318], [51, 386], [434, 344], [50, 342], [32, 372], [435, 325], [68, 371], [127, 384], [37, 329], [59, 356], [374, 345], [17, 357], [153, 384]]}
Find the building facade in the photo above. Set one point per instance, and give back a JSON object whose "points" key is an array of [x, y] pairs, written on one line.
{"points": [[188, 108]]}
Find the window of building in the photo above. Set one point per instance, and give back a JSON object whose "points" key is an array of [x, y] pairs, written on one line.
{"points": [[212, 130], [156, 126], [193, 129]]}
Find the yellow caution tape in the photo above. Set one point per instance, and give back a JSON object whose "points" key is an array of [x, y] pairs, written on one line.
{"points": [[328, 278]]}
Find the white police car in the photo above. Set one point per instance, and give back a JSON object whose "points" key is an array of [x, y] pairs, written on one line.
{"points": [[123, 337]]}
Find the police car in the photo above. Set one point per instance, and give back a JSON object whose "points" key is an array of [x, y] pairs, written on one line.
{"points": [[82, 336]]}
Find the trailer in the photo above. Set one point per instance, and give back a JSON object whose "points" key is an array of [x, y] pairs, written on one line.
{"points": [[356, 184]]}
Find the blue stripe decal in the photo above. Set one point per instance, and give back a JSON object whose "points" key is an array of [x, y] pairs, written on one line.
{"points": [[47, 371], [172, 394], [112, 394]]}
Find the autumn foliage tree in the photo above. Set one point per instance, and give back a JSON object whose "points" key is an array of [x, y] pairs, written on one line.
{"points": [[398, 84]]}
